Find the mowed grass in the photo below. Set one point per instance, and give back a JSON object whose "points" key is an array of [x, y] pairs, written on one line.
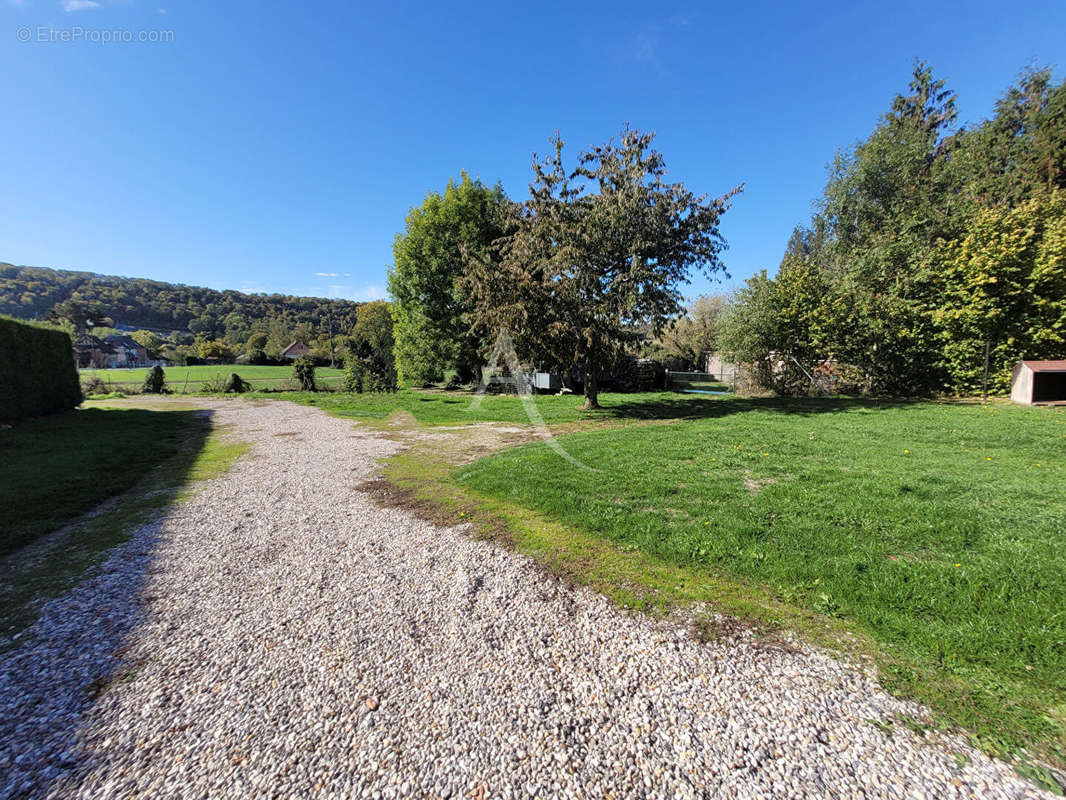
{"points": [[937, 530], [72, 463], [55, 468], [433, 407], [193, 378]]}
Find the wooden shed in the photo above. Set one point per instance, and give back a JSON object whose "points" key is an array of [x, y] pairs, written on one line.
{"points": [[1038, 383]]}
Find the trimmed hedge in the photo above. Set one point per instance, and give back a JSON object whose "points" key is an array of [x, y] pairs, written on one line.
{"points": [[37, 372]]}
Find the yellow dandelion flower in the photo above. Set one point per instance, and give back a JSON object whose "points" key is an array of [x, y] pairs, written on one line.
{"points": [[958, 565], [906, 451]]}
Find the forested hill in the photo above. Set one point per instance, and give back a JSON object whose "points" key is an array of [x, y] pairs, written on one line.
{"points": [[31, 292]]}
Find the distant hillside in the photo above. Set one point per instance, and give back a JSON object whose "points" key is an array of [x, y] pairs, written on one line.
{"points": [[31, 292]]}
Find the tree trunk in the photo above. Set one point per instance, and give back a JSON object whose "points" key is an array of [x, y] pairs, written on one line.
{"points": [[592, 387]]}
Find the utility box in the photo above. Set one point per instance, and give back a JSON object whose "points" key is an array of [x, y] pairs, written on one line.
{"points": [[1038, 383], [547, 382]]}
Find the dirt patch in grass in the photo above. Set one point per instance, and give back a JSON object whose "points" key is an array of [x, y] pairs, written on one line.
{"points": [[387, 494], [755, 486], [760, 635]]}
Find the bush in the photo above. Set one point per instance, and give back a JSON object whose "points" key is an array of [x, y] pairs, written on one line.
{"points": [[94, 386], [236, 384], [215, 385], [353, 374], [155, 382], [367, 374], [303, 369], [37, 372]]}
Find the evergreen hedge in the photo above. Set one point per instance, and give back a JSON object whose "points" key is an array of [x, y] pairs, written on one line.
{"points": [[37, 372]]}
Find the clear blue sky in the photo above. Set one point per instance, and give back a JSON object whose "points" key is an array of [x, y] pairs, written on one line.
{"points": [[277, 146]]}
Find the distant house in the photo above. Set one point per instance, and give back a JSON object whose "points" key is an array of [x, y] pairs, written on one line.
{"points": [[128, 351], [90, 351], [295, 350], [115, 351]]}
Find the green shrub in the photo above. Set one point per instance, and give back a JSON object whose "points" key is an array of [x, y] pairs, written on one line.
{"points": [[155, 382], [94, 385], [37, 372], [215, 385], [236, 384], [353, 374], [303, 369], [364, 371]]}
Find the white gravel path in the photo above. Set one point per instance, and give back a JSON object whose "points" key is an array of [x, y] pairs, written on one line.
{"points": [[279, 635]]}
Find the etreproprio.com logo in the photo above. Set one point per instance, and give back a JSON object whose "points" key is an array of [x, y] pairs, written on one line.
{"points": [[46, 34]]}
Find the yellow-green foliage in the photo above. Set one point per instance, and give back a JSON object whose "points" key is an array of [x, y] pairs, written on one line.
{"points": [[37, 372], [1005, 282]]}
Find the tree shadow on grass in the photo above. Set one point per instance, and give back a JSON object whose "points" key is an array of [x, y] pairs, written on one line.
{"points": [[688, 407], [70, 601]]}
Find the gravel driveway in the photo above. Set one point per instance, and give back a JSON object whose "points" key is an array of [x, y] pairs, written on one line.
{"points": [[279, 635]]}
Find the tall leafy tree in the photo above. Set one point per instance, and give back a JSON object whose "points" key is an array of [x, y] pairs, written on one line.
{"points": [[1004, 283], [1020, 151], [431, 305], [597, 251], [928, 243]]}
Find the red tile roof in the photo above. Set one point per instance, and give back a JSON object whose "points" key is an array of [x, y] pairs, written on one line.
{"points": [[1046, 366]]}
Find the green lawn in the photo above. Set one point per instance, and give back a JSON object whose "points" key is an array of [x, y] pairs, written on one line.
{"points": [[457, 408], [936, 529], [54, 468], [260, 376]]}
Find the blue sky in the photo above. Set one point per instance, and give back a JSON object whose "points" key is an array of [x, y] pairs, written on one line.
{"points": [[277, 146]]}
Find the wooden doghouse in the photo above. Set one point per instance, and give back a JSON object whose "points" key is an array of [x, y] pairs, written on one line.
{"points": [[1038, 383]]}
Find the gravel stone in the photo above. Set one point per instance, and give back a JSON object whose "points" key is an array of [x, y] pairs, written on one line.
{"points": [[235, 647]]}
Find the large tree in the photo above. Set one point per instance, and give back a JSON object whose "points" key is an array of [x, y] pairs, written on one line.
{"points": [[928, 244], [430, 304], [596, 252]]}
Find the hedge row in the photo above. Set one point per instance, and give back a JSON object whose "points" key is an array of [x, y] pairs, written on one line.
{"points": [[37, 372]]}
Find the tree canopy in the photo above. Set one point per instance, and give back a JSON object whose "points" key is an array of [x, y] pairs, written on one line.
{"points": [[596, 251], [928, 242], [431, 306], [106, 300]]}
